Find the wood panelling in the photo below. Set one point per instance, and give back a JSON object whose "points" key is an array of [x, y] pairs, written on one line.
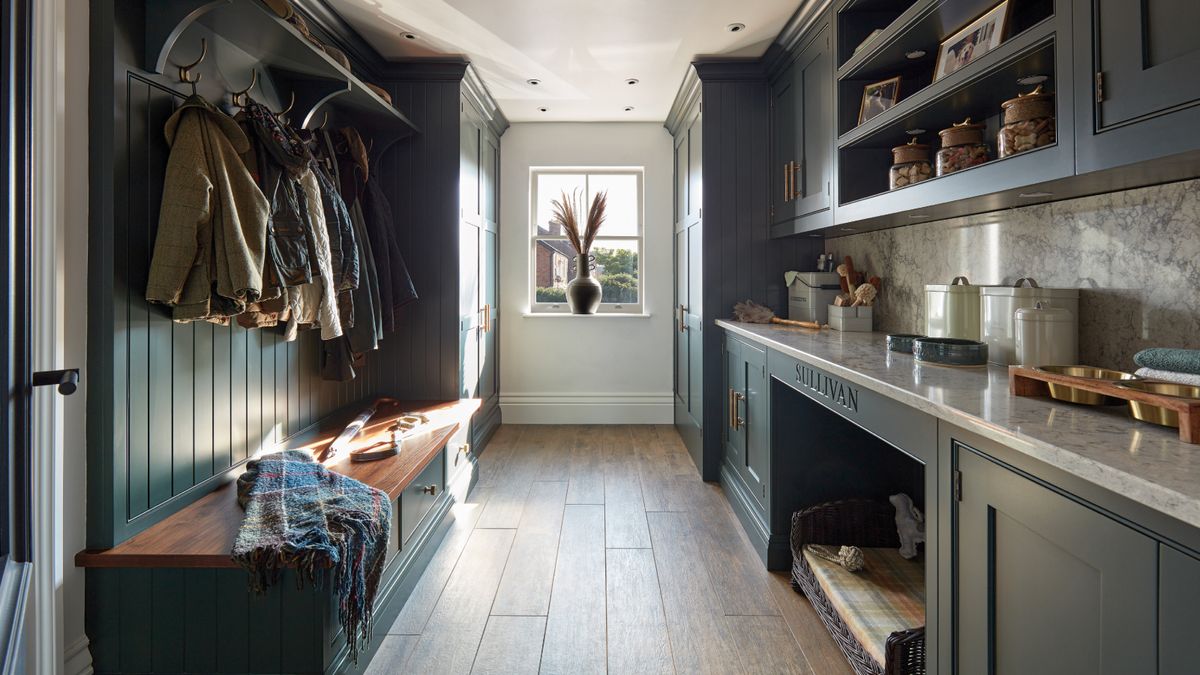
{"points": [[174, 409], [740, 260]]}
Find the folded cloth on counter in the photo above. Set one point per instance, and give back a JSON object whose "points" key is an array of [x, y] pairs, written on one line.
{"points": [[1174, 360], [326, 525], [1169, 376]]}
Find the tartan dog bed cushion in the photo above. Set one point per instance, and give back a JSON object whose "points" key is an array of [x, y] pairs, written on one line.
{"points": [[887, 596]]}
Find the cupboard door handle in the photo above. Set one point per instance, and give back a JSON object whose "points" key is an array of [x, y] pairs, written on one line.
{"points": [[738, 421], [486, 324], [682, 318], [430, 490], [798, 168], [787, 182]]}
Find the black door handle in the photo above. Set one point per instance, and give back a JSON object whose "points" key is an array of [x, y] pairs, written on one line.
{"points": [[67, 380]]}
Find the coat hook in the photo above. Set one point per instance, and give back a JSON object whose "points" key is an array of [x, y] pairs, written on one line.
{"points": [[291, 104], [240, 98], [185, 72], [324, 121]]}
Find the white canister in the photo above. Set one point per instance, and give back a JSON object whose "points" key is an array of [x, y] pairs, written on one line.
{"points": [[999, 305], [952, 310], [1046, 336]]}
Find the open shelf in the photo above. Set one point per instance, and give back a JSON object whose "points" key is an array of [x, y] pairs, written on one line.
{"points": [[294, 63], [865, 157], [922, 27]]}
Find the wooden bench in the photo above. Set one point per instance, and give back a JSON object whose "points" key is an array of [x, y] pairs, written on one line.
{"points": [[171, 599]]}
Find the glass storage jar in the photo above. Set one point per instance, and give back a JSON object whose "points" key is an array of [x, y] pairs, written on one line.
{"points": [[1028, 123], [910, 164], [962, 147]]}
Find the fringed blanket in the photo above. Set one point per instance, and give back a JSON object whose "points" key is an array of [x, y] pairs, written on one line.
{"points": [[301, 515]]}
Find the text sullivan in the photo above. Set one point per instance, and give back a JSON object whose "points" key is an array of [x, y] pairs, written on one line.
{"points": [[826, 387]]}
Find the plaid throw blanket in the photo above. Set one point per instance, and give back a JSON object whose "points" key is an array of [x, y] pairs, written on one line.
{"points": [[299, 514]]}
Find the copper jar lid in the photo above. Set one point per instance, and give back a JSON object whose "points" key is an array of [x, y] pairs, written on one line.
{"points": [[1029, 106], [962, 133], [911, 152]]}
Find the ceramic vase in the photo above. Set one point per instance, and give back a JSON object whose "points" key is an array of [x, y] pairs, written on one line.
{"points": [[584, 292]]}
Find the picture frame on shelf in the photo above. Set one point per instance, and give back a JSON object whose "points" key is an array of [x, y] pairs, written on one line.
{"points": [[878, 97], [972, 41]]}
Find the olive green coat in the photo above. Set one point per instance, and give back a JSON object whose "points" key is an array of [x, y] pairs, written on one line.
{"points": [[212, 227]]}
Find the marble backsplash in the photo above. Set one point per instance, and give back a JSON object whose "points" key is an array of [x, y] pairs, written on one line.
{"points": [[1134, 255]]}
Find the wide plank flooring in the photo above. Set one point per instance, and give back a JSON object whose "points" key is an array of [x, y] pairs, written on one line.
{"points": [[598, 549]]}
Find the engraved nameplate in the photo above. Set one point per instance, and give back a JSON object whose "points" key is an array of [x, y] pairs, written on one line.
{"points": [[834, 391]]}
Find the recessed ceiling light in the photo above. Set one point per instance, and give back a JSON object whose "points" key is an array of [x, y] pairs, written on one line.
{"points": [[735, 27], [915, 54], [533, 81], [543, 108], [410, 36], [628, 108], [1035, 195], [632, 81], [1030, 80], [915, 132]]}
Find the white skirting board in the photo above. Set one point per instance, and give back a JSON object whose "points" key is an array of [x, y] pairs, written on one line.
{"points": [[551, 408], [78, 658]]}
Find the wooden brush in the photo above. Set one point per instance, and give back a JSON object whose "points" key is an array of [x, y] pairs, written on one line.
{"points": [[752, 312]]}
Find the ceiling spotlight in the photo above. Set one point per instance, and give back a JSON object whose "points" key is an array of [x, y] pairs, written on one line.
{"points": [[409, 36], [1030, 80], [628, 108], [632, 81], [543, 108], [533, 81], [915, 54], [735, 27]]}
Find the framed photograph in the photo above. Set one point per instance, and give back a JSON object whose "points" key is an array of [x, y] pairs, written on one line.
{"points": [[972, 41], [878, 97]]}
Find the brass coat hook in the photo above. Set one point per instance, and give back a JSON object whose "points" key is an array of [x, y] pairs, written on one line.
{"points": [[324, 121], [291, 104], [185, 72], [240, 98]]}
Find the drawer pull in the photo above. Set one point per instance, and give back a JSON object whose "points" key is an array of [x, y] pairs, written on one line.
{"points": [[430, 490], [738, 421], [465, 448]]}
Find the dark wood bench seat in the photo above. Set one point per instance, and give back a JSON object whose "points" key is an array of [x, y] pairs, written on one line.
{"points": [[201, 534]]}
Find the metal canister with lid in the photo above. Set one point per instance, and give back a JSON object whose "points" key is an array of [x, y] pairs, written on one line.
{"points": [[1046, 335], [910, 164], [952, 310], [962, 147], [1028, 123]]}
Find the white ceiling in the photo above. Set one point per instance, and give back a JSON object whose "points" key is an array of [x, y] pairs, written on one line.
{"points": [[583, 51]]}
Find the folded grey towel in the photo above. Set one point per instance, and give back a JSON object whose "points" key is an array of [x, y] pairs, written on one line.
{"points": [[1174, 360], [1169, 376]]}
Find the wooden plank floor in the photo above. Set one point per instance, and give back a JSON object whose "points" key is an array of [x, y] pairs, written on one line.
{"points": [[593, 549]]}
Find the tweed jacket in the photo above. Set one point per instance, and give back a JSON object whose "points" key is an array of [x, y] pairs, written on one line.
{"points": [[212, 225]]}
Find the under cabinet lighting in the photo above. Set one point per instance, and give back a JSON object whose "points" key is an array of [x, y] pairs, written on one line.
{"points": [[915, 132], [915, 54], [915, 216], [844, 229], [1035, 195], [1030, 80]]}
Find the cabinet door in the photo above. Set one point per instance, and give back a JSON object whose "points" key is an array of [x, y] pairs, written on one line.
{"points": [[489, 280], [1046, 584], [469, 165], [735, 393], [1147, 51], [489, 177], [469, 304], [784, 154], [695, 185], [1178, 611], [757, 469], [813, 125], [682, 389]]}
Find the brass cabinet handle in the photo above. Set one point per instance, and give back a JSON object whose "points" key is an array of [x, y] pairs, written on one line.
{"points": [[465, 448], [682, 318], [787, 182], [729, 408], [430, 490], [738, 421], [798, 167], [486, 324]]}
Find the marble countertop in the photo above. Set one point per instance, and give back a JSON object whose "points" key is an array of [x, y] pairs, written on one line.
{"points": [[1103, 445]]}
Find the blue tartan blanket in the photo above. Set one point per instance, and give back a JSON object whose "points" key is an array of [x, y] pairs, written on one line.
{"points": [[326, 525]]}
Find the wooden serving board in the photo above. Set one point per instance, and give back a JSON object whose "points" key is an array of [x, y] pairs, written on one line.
{"points": [[1026, 381]]}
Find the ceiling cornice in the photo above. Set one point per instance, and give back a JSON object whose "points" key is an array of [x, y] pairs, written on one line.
{"points": [[779, 53], [689, 92]]}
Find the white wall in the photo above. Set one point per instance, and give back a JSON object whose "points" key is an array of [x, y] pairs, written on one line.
{"points": [[585, 369]]}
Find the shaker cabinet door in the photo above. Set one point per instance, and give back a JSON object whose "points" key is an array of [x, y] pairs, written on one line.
{"points": [[1046, 584], [813, 126]]}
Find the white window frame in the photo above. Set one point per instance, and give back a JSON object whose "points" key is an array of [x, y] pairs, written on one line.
{"points": [[531, 277]]}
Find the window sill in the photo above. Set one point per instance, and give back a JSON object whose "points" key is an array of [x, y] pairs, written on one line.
{"points": [[568, 315]]}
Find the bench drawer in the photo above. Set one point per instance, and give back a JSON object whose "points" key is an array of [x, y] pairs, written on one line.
{"points": [[459, 454], [420, 496]]}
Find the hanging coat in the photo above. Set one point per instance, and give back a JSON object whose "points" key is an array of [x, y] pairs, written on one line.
{"points": [[396, 285], [211, 240], [316, 302]]}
